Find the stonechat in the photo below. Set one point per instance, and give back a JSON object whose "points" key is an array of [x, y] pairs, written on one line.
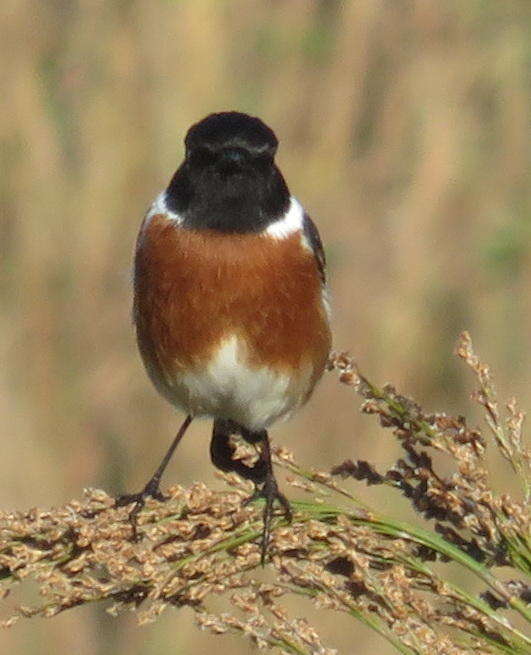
{"points": [[230, 298]]}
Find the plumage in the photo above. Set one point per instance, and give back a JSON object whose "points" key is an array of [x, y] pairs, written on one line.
{"points": [[195, 290], [230, 298]]}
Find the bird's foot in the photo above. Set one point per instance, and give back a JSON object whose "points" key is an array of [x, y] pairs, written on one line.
{"points": [[270, 492], [151, 490]]}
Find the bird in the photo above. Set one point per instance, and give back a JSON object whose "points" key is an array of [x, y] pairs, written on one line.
{"points": [[230, 302]]}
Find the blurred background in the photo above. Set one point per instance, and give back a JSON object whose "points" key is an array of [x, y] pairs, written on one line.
{"points": [[404, 130]]}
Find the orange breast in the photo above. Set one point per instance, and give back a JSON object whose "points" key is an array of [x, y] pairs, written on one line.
{"points": [[194, 288]]}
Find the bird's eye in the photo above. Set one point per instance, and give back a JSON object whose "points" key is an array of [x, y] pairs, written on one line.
{"points": [[201, 156], [265, 157]]}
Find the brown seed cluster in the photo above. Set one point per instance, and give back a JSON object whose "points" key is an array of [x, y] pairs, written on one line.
{"points": [[463, 506], [337, 554]]}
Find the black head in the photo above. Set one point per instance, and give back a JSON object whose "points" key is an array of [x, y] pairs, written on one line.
{"points": [[228, 180], [231, 129]]}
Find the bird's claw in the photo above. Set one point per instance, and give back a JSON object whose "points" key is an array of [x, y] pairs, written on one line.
{"points": [[270, 492], [139, 499]]}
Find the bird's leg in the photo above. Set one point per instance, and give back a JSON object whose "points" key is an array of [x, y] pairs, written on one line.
{"points": [[261, 473], [152, 487], [269, 490]]}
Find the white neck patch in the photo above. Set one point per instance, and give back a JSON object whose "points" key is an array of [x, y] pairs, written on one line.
{"points": [[292, 221], [159, 206]]}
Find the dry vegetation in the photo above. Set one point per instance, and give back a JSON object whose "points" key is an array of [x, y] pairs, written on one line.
{"points": [[404, 129], [345, 556]]}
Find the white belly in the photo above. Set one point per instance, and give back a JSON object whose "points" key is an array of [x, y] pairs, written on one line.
{"points": [[229, 388]]}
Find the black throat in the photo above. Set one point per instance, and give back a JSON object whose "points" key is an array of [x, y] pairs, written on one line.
{"points": [[232, 197]]}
